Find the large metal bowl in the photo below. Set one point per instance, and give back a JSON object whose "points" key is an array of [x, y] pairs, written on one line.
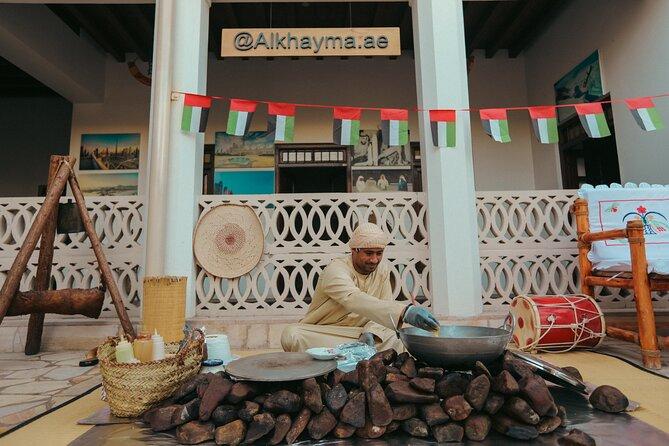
{"points": [[457, 347]]}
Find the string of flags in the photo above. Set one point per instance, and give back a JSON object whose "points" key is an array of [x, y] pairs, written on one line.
{"points": [[395, 122]]}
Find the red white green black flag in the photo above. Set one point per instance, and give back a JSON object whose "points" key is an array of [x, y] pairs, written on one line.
{"points": [[281, 121], [239, 118], [442, 123], [195, 113], [496, 124], [346, 130], [593, 119], [645, 114], [395, 126], [544, 121]]}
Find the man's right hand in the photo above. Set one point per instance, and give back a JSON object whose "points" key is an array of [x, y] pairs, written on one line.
{"points": [[421, 318]]}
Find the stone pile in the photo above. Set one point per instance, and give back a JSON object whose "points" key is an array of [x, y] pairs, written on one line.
{"points": [[387, 393]]}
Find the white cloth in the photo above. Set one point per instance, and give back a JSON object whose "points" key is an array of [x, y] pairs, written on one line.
{"points": [[368, 235], [612, 207]]}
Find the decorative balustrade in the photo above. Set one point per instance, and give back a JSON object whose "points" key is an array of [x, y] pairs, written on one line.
{"points": [[303, 233], [118, 222]]}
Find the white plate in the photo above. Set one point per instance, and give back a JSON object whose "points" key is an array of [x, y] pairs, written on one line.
{"points": [[323, 353]]}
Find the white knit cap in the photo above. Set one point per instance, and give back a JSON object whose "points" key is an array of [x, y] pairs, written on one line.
{"points": [[368, 235]]}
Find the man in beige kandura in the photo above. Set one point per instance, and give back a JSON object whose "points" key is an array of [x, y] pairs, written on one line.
{"points": [[353, 301]]}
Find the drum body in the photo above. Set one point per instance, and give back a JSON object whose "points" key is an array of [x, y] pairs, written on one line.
{"points": [[557, 323]]}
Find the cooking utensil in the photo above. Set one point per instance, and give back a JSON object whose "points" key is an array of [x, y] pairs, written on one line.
{"points": [[274, 367], [457, 346]]}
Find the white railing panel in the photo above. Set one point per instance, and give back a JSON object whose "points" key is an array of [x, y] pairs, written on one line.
{"points": [[119, 223]]}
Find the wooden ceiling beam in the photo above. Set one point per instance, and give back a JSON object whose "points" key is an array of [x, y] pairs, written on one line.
{"points": [[480, 15], [145, 25], [499, 14], [551, 9], [121, 29], [523, 15], [93, 30]]}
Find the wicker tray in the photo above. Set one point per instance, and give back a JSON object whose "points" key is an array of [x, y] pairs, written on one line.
{"points": [[131, 389]]}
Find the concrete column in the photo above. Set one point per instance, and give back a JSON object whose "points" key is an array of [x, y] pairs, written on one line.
{"points": [[448, 174], [175, 163]]}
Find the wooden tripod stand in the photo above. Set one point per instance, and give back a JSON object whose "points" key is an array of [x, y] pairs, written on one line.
{"points": [[69, 301]]}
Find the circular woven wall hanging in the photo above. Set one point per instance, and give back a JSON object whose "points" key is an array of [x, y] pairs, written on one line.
{"points": [[228, 241]]}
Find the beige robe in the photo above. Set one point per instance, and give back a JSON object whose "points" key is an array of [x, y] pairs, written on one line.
{"points": [[346, 304]]}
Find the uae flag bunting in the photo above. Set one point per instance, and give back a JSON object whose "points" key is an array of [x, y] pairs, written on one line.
{"points": [[544, 121], [346, 130], [645, 114], [593, 119], [443, 128], [496, 124], [195, 113], [281, 121], [239, 118], [395, 126]]}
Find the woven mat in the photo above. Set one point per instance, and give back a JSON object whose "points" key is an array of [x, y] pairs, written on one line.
{"points": [[631, 353]]}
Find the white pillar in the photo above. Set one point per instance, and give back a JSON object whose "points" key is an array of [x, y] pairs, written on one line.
{"points": [[448, 174], [175, 163]]}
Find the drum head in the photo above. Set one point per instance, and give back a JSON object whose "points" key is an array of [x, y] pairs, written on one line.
{"points": [[527, 330]]}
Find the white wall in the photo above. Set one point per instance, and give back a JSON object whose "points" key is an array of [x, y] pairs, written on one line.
{"points": [[32, 130], [633, 39], [378, 82]]}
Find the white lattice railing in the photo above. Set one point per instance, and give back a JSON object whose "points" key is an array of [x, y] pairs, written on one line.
{"points": [[120, 225], [303, 233], [528, 246]]}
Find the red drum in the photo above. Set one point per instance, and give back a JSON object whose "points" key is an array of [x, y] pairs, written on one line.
{"points": [[557, 323]]}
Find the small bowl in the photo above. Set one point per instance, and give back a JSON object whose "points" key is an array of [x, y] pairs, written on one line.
{"points": [[323, 353]]}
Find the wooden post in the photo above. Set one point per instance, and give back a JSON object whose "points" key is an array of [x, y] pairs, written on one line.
{"points": [[580, 211], [87, 302], [43, 275], [105, 271], [15, 273], [645, 316]]}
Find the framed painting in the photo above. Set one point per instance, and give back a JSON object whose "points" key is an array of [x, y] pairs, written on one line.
{"points": [[243, 182], [583, 83], [381, 180], [253, 150], [109, 151], [108, 184]]}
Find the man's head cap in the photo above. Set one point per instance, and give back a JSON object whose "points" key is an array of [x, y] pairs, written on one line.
{"points": [[368, 235]]}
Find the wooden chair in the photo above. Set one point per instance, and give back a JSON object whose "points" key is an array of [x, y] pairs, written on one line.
{"points": [[638, 279]]}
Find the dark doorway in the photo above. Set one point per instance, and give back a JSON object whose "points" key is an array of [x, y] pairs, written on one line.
{"points": [[312, 179], [588, 160]]}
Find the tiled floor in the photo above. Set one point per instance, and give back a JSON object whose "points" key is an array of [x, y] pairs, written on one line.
{"points": [[30, 385]]}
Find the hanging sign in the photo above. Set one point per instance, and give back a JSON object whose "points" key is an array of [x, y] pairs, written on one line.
{"points": [[302, 42]]}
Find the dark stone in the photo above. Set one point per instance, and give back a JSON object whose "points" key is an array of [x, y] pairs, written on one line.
{"points": [[386, 356], [448, 433], [161, 418], [343, 430], [608, 399], [415, 427], [366, 376], [336, 398], [512, 428], [573, 371], [231, 434], [404, 412], [457, 407], [493, 403], [433, 414], [425, 385], [477, 427], [261, 425], [248, 410], [216, 391], [505, 383], [187, 391], [380, 412], [195, 432], [452, 384], [188, 412], [519, 409], [395, 377], [481, 369], [321, 424], [353, 412], [311, 394], [409, 368], [436, 373], [369, 430], [548, 425], [535, 391], [576, 437], [300, 423], [282, 401], [477, 391], [402, 392], [281, 426], [241, 391]]}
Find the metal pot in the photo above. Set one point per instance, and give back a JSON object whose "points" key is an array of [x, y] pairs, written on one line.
{"points": [[457, 347]]}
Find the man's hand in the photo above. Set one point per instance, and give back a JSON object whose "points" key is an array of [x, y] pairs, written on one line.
{"points": [[421, 318]]}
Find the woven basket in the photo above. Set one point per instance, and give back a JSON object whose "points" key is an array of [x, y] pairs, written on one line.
{"points": [[164, 306], [132, 389]]}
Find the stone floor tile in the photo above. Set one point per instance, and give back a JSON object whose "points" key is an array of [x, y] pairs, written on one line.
{"points": [[12, 382], [63, 373], [58, 400], [15, 364], [54, 357], [74, 362], [6, 400], [80, 388], [23, 415], [29, 373], [87, 375], [36, 387]]}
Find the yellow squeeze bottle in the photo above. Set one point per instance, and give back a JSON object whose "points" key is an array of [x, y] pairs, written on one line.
{"points": [[124, 351]]}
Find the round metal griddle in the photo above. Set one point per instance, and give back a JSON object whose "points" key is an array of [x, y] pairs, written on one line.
{"points": [[272, 367]]}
